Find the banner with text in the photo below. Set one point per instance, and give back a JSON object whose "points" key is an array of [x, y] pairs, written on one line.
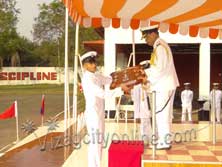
{"points": [[33, 75]]}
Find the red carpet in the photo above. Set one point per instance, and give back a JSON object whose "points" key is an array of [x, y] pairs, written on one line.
{"points": [[125, 153]]}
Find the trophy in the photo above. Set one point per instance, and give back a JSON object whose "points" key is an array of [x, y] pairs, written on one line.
{"points": [[130, 76]]}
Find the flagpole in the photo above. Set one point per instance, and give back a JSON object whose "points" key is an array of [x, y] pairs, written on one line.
{"points": [[16, 116], [42, 108], [42, 119], [66, 72]]}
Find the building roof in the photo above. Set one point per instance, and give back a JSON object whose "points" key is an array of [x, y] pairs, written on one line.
{"points": [[96, 45]]}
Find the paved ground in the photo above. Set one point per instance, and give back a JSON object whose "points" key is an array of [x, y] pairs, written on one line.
{"points": [[190, 151]]}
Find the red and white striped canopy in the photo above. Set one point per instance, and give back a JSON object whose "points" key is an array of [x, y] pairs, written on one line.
{"points": [[193, 17]]}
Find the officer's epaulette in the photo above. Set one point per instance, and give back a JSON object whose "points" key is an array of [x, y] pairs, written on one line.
{"points": [[159, 44]]}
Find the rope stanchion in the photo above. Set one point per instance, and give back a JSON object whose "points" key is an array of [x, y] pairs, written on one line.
{"points": [[153, 122], [200, 129]]}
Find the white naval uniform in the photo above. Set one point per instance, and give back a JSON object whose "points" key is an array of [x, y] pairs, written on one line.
{"points": [[186, 99], [93, 89], [163, 79], [218, 99], [142, 111]]}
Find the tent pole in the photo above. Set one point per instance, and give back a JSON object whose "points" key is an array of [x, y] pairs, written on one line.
{"points": [[75, 81], [133, 47], [66, 72]]}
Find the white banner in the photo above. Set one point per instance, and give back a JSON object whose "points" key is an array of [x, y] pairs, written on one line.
{"points": [[33, 75]]}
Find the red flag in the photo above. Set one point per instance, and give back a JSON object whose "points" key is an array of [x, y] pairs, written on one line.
{"points": [[42, 105], [9, 112]]}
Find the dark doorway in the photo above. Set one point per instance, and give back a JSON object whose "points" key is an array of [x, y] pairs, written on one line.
{"points": [[186, 59]]}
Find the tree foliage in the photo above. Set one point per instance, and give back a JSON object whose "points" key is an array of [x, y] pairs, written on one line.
{"points": [[8, 15], [49, 30], [9, 39], [47, 49], [50, 24]]}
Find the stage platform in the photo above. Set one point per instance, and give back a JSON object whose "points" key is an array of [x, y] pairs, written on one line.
{"points": [[199, 150], [187, 154], [196, 149]]}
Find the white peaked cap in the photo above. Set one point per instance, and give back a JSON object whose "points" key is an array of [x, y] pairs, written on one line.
{"points": [[88, 54], [215, 84], [187, 83], [149, 28], [144, 62]]}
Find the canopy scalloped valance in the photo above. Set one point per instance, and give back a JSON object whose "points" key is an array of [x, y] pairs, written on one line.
{"points": [[194, 17]]}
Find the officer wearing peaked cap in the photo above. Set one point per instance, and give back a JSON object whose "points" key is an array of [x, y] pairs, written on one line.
{"points": [[186, 99], [92, 84], [142, 107], [142, 111], [89, 57], [163, 80], [216, 85], [94, 93], [218, 99], [147, 30]]}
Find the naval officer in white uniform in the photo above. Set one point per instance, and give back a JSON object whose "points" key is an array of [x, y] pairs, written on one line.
{"points": [[163, 79], [94, 93], [142, 111], [218, 99], [186, 99]]}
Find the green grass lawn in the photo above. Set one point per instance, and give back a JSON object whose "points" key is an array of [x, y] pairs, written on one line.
{"points": [[29, 103], [32, 89], [20, 91]]}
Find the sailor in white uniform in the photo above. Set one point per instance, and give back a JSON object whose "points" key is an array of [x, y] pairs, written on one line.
{"points": [[94, 93], [218, 99], [163, 80], [142, 111], [186, 99]]}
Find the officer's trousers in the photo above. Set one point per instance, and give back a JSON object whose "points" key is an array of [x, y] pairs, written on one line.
{"points": [[164, 115], [95, 127], [186, 109]]}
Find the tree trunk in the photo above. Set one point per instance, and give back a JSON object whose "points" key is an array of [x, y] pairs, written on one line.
{"points": [[1, 63], [15, 60]]}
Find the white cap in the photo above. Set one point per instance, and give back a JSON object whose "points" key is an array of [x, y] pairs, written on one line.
{"points": [[146, 30], [144, 62], [186, 83], [88, 54], [149, 28], [215, 84]]}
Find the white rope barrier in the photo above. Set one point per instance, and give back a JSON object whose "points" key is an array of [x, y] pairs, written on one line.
{"points": [[193, 112]]}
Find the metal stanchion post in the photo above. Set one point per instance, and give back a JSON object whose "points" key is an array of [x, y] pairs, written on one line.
{"points": [[213, 110], [108, 112], [153, 123]]}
